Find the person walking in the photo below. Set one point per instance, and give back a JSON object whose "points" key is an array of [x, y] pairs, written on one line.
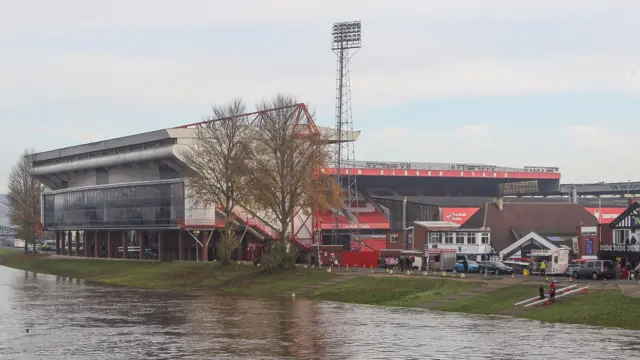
{"points": [[543, 268], [465, 264]]}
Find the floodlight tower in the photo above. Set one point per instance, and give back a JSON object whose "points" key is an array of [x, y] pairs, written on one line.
{"points": [[347, 36]]}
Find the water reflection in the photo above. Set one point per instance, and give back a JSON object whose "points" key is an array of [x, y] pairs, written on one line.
{"points": [[69, 319]]}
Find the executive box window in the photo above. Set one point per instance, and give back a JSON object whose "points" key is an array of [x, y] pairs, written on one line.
{"points": [[140, 205]]}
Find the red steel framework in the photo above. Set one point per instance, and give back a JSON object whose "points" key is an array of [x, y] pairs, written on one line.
{"points": [[304, 120]]}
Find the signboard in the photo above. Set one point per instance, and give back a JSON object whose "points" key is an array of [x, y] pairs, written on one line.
{"points": [[575, 245], [588, 246], [588, 230], [457, 215], [605, 215], [635, 221]]}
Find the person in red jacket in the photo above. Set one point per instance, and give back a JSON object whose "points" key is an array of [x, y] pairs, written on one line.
{"points": [[552, 291]]}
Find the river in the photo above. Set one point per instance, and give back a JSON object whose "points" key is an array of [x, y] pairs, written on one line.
{"points": [[68, 319]]}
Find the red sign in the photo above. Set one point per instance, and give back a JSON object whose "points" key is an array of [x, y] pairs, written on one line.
{"points": [[606, 215], [446, 173], [457, 215]]}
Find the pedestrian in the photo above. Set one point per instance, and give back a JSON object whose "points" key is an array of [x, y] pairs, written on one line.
{"points": [[543, 268], [465, 264], [552, 291], [409, 263]]}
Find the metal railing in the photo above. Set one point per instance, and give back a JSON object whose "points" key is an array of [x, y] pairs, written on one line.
{"points": [[620, 248]]}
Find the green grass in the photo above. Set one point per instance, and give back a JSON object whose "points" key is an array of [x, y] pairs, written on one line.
{"points": [[608, 308], [181, 276], [9, 251], [389, 291], [495, 301]]}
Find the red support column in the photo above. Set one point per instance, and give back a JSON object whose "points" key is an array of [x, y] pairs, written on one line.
{"points": [[85, 243], [140, 243], [205, 253], [180, 244], [124, 244], [58, 247], [96, 251], [109, 250], [160, 245]]}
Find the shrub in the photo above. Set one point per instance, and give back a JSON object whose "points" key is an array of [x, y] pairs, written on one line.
{"points": [[279, 257]]}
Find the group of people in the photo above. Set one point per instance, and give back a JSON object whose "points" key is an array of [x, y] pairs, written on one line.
{"points": [[552, 292]]}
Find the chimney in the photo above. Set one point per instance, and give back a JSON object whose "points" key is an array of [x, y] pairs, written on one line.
{"points": [[631, 201]]}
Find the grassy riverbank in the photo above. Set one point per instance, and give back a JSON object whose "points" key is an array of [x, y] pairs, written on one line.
{"points": [[600, 308]]}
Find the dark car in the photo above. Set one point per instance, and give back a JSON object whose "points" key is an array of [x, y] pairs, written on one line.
{"points": [[597, 269], [495, 267]]}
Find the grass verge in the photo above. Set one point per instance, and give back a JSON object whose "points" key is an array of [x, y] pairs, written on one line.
{"points": [[390, 291], [609, 308], [493, 302]]}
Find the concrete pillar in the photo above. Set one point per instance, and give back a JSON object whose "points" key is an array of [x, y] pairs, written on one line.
{"points": [[109, 249], [180, 244], [96, 249], [160, 245], [124, 244], [58, 247]]}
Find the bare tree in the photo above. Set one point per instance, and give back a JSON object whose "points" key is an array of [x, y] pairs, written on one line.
{"points": [[24, 200], [285, 169], [218, 155]]}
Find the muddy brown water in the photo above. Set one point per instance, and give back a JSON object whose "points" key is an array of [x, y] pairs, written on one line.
{"points": [[68, 319]]}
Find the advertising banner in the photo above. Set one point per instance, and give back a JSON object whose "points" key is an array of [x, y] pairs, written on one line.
{"points": [[457, 215], [605, 215]]}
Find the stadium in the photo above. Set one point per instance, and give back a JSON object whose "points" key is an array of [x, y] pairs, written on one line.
{"points": [[128, 195]]}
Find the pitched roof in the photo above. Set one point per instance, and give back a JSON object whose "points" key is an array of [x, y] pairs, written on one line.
{"points": [[518, 219]]}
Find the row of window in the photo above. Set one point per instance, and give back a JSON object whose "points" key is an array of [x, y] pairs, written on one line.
{"points": [[394, 238], [470, 238]]}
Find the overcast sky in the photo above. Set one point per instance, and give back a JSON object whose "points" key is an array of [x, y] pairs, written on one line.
{"points": [[527, 82]]}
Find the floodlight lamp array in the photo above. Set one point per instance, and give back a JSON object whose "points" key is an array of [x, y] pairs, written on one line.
{"points": [[347, 35]]}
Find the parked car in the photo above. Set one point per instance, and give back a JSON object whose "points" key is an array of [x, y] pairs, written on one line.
{"points": [[495, 267], [472, 266], [597, 269], [573, 267]]}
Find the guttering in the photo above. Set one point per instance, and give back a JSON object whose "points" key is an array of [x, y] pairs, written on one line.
{"points": [[105, 161]]}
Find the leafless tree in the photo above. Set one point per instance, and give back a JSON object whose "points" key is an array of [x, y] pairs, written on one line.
{"points": [[284, 171], [24, 200], [218, 156]]}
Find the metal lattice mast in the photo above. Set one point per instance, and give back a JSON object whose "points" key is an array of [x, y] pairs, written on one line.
{"points": [[347, 36]]}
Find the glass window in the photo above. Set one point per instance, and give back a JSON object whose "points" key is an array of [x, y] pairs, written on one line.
{"points": [[393, 238], [460, 237], [471, 238], [448, 238], [140, 205], [434, 238], [485, 238], [410, 238]]}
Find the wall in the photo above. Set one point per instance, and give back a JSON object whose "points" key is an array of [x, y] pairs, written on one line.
{"points": [[197, 214], [603, 236], [395, 245]]}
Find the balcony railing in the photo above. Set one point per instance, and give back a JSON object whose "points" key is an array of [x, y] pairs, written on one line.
{"points": [[620, 248]]}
